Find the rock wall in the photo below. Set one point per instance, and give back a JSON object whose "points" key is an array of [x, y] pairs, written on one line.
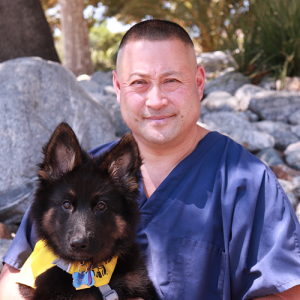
{"points": [[36, 95]]}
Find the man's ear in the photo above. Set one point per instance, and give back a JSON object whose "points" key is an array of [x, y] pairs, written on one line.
{"points": [[116, 84], [200, 77]]}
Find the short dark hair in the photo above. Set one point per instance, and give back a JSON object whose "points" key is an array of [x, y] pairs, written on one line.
{"points": [[156, 30]]}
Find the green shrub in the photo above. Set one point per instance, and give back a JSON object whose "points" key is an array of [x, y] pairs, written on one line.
{"points": [[104, 47], [272, 43]]}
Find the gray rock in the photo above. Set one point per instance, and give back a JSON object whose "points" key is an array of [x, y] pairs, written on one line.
{"points": [[15, 201], [216, 63], [251, 116], [280, 131], [294, 118], [297, 211], [244, 94], [239, 129], [229, 82], [268, 83], [275, 106], [89, 86], [296, 130], [4, 245], [220, 101], [292, 155], [109, 91], [103, 79], [288, 187], [113, 107], [297, 191], [36, 95], [270, 157]]}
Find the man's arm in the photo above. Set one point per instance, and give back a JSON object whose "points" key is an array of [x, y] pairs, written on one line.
{"points": [[290, 294], [8, 288]]}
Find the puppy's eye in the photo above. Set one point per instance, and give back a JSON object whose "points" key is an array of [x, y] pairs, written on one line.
{"points": [[67, 205], [101, 206]]}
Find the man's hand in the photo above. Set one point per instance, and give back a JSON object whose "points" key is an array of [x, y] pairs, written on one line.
{"points": [[8, 288]]}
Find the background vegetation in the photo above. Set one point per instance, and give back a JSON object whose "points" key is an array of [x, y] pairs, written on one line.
{"points": [[263, 36]]}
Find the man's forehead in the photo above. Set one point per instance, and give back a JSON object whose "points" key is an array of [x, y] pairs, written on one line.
{"points": [[135, 43], [140, 46]]}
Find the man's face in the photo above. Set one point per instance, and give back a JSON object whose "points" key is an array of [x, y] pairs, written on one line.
{"points": [[159, 88]]}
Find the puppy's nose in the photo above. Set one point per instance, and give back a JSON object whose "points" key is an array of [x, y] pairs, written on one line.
{"points": [[79, 243]]}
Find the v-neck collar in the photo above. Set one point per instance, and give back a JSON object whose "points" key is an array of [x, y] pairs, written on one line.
{"points": [[149, 207]]}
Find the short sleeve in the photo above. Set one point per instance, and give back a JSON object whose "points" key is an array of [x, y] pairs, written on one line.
{"points": [[22, 245], [264, 249]]}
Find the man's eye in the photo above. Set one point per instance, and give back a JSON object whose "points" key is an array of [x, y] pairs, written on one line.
{"points": [[171, 80], [138, 82]]}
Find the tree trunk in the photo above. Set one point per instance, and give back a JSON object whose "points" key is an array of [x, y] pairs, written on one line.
{"points": [[77, 57], [24, 31]]}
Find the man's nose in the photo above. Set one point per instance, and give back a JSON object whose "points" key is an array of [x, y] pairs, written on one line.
{"points": [[156, 99]]}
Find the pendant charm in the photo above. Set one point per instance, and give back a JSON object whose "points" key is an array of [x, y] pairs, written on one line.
{"points": [[83, 278]]}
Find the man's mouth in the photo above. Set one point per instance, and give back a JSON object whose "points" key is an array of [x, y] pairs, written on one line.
{"points": [[159, 118]]}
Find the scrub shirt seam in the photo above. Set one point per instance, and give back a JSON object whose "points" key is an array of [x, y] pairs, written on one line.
{"points": [[279, 285], [11, 261], [296, 242]]}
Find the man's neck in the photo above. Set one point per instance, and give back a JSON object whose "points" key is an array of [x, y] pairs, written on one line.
{"points": [[159, 162]]}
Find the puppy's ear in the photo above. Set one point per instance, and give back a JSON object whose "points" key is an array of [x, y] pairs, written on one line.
{"points": [[61, 154], [123, 163]]}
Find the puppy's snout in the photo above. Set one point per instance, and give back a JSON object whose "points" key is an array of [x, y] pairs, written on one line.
{"points": [[79, 243]]}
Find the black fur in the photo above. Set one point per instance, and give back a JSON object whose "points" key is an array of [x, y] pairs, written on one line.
{"points": [[85, 209]]}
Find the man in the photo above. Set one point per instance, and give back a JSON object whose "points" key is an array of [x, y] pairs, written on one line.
{"points": [[215, 223]]}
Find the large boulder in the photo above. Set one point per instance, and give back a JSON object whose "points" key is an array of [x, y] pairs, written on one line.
{"points": [[270, 157], [292, 155], [244, 94], [216, 63], [239, 129], [229, 82], [220, 101], [100, 88], [35, 96], [294, 118], [280, 131], [275, 106]]}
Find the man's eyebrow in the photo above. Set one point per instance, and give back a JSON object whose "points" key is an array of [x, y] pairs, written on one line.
{"points": [[140, 74], [163, 74]]}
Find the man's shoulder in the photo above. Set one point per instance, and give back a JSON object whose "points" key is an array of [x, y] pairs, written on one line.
{"points": [[225, 149]]}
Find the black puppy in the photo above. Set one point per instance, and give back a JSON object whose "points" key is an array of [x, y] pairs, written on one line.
{"points": [[85, 213]]}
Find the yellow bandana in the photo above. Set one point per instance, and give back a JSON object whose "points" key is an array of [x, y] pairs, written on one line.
{"points": [[42, 259]]}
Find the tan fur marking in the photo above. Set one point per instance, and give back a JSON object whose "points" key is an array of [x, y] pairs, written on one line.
{"points": [[48, 225], [47, 220], [72, 193], [43, 174], [132, 185], [121, 226]]}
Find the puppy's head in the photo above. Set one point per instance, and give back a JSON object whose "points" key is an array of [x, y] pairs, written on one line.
{"points": [[86, 208]]}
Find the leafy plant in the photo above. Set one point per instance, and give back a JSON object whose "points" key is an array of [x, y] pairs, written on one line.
{"points": [[272, 44], [104, 46]]}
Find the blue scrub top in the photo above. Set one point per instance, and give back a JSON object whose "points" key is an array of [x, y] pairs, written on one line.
{"points": [[218, 227]]}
